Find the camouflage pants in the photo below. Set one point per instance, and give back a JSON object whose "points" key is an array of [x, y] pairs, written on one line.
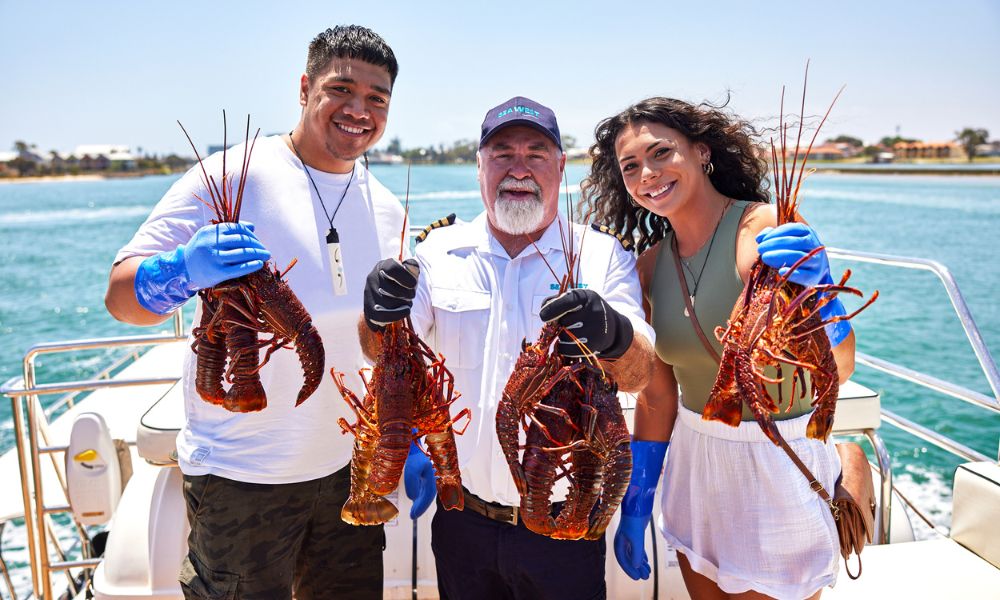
{"points": [[265, 542]]}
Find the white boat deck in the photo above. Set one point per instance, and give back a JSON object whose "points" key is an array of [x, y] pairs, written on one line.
{"points": [[927, 569], [121, 409]]}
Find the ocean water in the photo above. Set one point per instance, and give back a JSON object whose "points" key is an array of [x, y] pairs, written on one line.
{"points": [[57, 241]]}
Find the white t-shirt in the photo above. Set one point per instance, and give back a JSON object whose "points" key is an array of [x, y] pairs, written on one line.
{"points": [[283, 443], [475, 304]]}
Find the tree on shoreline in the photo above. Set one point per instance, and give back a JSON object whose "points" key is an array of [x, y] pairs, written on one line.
{"points": [[969, 138]]}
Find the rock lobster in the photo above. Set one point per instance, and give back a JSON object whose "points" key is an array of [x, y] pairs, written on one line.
{"points": [[235, 312], [408, 395], [777, 323], [574, 428]]}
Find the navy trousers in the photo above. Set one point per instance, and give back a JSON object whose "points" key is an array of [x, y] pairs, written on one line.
{"points": [[481, 559]]}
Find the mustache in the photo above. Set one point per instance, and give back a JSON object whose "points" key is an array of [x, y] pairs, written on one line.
{"points": [[512, 184]]}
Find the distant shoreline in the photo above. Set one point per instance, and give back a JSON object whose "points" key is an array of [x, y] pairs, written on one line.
{"points": [[826, 168], [49, 178], [84, 177], [905, 170]]}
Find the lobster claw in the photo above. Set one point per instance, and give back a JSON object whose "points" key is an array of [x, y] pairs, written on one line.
{"points": [[524, 344]]}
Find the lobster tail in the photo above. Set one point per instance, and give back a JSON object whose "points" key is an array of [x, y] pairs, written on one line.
{"points": [[444, 455], [616, 479], [372, 510], [247, 393]]}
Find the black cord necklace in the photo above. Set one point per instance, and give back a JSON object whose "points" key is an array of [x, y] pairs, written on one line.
{"points": [[687, 267], [332, 238]]}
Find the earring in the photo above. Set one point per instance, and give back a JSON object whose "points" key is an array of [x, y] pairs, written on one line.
{"points": [[709, 168]]}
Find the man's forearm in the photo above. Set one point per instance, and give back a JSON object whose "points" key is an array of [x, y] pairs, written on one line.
{"points": [[633, 369], [120, 298]]}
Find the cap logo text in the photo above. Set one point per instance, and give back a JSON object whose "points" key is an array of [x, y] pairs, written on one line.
{"points": [[519, 109]]}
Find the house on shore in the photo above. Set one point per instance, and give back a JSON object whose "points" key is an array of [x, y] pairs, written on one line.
{"points": [[916, 150], [102, 157]]}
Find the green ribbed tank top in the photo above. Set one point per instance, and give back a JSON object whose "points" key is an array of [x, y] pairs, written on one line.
{"points": [[677, 344]]}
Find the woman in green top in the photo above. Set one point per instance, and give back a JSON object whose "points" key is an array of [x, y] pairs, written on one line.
{"points": [[686, 178]]}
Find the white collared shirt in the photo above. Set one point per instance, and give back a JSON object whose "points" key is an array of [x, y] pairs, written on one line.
{"points": [[475, 304]]}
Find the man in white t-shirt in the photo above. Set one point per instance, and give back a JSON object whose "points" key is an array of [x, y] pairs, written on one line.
{"points": [[264, 490], [482, 288]]}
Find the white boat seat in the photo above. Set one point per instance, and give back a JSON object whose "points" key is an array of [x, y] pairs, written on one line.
{"points": [[156, 437], [931, 569], [975, 517], [857, 408]]}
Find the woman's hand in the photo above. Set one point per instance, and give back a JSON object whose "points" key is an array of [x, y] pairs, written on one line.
{"points": [[781, 247]]}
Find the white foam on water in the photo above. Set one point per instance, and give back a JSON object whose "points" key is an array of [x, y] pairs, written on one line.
{"points": [[916, 199], [15, 553], [48, 217], [932, 495]]}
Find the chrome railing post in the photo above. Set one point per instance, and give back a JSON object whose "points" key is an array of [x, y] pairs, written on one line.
{"points": [[23, 458], [885, 491], [29, 449], [44, 586], [972, 333]]}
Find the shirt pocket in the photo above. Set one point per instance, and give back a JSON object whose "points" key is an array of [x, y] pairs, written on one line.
{"points": [[461, 318]]}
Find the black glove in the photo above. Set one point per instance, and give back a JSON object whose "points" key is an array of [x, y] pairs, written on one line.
{"points": [[594, 325], [389, 292]]}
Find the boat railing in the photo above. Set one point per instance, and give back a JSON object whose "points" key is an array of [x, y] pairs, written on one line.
{"points": [[973, 397], [24, 393]]}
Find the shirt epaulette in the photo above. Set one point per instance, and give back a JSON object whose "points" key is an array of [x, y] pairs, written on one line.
{"points": [[627, 242], [442, 222]]}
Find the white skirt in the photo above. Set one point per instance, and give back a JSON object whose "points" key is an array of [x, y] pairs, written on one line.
{"points": [[741, 512]]}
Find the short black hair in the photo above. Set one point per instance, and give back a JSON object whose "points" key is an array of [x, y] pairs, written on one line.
{"points": [[350, 41]]}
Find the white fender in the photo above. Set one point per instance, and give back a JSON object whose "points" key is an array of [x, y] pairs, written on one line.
{"points": [[93, 474]]}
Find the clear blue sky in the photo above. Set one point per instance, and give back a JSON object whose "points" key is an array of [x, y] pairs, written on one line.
{"points": [[122, 72]]}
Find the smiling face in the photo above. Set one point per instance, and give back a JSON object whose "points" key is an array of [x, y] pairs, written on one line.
{"points": [[519, 174], [662, 169], [344, 112]]}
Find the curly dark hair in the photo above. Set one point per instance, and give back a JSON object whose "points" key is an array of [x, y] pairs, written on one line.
{"points": [[740, 173]]}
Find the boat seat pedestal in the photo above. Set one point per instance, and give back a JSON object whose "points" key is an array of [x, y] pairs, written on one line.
{"points": [[156, 436]]}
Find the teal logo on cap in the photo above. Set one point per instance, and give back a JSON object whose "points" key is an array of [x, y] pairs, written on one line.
{"points": [[519, 109]]}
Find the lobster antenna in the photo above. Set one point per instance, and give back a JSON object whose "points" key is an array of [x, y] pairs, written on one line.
{"points": [[225, 146], [816, 135], [544, 260], [782, 184], [797, 180], [205, 178], [406, 209], [247, 154], [243, 170], [775, 171]]}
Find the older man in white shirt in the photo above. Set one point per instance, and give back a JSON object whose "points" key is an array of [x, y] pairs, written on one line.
{"points": [[482, 288]]}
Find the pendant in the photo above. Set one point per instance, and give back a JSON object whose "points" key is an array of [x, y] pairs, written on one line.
{"points": [[686, 313], [336, 262]]}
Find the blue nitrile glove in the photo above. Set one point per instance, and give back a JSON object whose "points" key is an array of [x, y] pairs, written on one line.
{"points": [[637, 508], [782, 246], [418, 479], [215, 253]]}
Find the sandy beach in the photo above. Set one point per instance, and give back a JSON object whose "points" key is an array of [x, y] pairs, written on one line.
{"points": [[49, 178]]}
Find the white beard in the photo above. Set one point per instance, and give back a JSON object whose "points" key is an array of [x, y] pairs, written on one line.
{"points": [[518, 216]]}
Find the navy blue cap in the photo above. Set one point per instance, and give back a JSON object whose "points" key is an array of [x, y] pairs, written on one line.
{"points": [[521, 111]]}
